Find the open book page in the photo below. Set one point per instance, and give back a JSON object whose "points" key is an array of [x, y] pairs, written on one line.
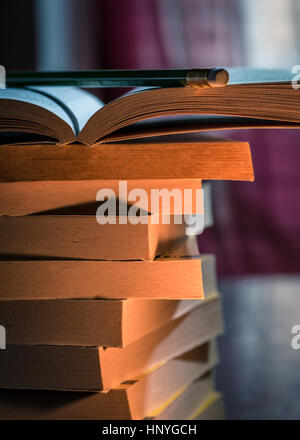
{"points": [[254, 98], [78, 104], [36, 98], [170, 125], [38, 114]]}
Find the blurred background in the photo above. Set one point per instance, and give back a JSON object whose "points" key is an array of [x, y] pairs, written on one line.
{"points": [[256, 235]]}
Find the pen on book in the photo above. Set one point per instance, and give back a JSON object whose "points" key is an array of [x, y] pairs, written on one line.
{"points": [[214, 77]]}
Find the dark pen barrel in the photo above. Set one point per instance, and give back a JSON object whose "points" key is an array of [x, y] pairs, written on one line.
{"points": [[121, 78]]}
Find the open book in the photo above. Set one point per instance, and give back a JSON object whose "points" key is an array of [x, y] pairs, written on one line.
{"points": [[253, 98]]}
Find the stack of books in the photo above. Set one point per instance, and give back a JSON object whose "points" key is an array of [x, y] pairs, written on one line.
{"points": [[109, 319]]}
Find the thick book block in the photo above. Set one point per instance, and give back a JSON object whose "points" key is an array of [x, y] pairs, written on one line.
{"points": [[86, 322], [100, 322], [75, 233], [190, 402], [203, 158], [79, 196], [135, 399], [163, 278], [81, 237], [97, 368]]}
